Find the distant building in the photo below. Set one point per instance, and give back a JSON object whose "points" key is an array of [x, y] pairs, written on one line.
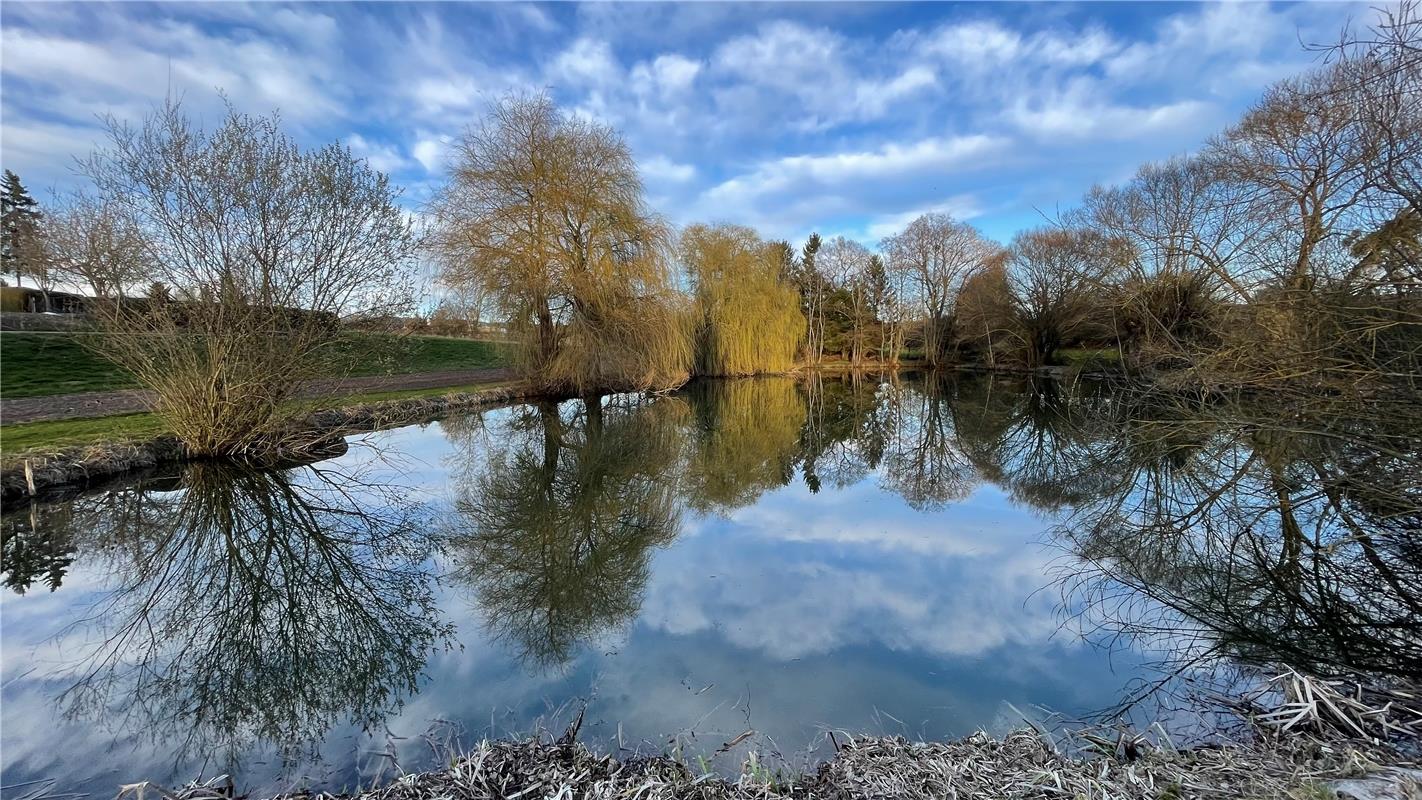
{"points": [[36, 301]]}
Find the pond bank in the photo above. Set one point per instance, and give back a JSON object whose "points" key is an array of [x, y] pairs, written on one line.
{"points": [[1023, 764], [1297, 738], [39, 476]]}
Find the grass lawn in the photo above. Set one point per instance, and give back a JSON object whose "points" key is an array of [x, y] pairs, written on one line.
{"points": [[39, 364], [43, 364], [58, 434]]}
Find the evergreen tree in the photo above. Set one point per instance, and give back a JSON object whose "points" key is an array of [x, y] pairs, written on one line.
{"points": [[812, 298], [20, 227]]}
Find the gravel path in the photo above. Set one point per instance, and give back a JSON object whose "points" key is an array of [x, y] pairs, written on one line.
{"points": [[103, 404]]}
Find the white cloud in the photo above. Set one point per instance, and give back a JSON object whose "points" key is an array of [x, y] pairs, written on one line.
{"points": [[807, 172], [980, 43], [441, 95], [1077, 115], [806, 119], [383, 157], [661, 168], [669, 73], [431, 151], [588, 62], [961, 207], [874, 98]]}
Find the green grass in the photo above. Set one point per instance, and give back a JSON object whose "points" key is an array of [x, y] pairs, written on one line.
{"points": [[42, 364], [45, 364], [57, 434], [372, 354], [69, 432]]}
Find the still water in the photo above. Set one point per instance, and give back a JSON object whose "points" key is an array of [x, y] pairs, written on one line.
{"points": [[916, 557]]}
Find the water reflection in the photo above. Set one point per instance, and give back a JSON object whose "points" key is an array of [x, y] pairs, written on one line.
{"points": [[846, 545], [244, 606], [744, 440], [553, 528], [1274, 539]]}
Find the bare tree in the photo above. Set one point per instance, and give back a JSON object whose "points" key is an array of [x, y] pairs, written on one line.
{"points": [[1179, 217], [937, 253], [266, 245], [1055, 275], [985, 312], [95, 243], [545, 213], [1384, 67], [1303, 170]]}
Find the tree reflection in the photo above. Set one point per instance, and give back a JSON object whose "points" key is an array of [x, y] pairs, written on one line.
{"points": [[1047, 446], [1276, 542], [252, 607], [556, 523], [41, 541], [847, 430], [36, 547], [925, 463], [744, 440]]}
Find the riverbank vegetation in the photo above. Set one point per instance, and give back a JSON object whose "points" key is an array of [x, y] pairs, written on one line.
{"points": [[26, 439], [256, 249]]}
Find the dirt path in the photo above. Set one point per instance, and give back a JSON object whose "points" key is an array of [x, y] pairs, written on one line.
{"points": [[104, 404]]}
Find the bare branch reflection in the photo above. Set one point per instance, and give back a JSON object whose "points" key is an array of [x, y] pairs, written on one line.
{"points": [[252, 607], [1268, 538]]}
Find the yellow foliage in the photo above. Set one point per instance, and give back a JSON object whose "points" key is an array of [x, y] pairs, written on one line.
{"points": [[747, 320], [747, 438]]}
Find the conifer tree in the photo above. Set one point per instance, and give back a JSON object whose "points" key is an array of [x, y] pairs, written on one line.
{"points": [[20, 228]]}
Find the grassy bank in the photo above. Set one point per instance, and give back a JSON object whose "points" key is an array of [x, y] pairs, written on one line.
{"points": [[38, 437], [50, 470], [46, 364]]}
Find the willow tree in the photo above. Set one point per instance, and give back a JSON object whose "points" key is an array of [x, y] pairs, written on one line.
{"points": [[747, 318], [544, 214]]}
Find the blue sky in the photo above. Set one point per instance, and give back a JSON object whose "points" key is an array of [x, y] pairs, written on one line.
{"points": [[844, 118]]}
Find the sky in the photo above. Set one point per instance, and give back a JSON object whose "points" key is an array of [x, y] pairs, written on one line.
{"points": [[847, 119]]}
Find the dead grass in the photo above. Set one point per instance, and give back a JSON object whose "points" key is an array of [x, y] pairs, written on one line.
{"points": [[1317, 736], [1023, 764]]}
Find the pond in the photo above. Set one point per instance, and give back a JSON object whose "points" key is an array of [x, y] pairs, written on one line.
{"points": [[917, 556]]}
